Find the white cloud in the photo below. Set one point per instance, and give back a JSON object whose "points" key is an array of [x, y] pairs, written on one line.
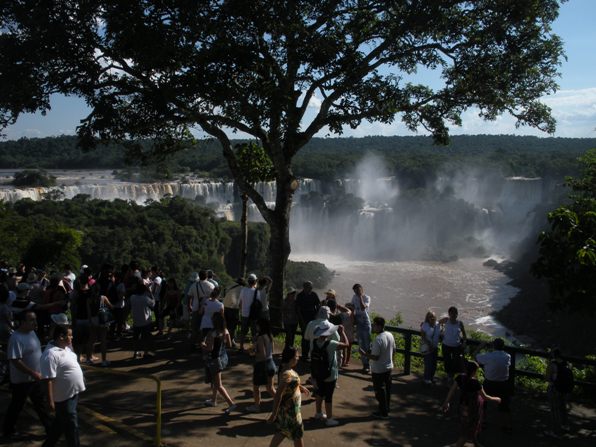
{"points": [[574, 111]]}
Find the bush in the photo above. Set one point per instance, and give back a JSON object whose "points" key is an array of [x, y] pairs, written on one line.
{"points": [[33, 178]]}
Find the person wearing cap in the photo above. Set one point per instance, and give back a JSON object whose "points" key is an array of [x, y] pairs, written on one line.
{"points": [[211, 278], [325, 386], [361, 303], [247, 295], [289, 317], [381, 358], [231, 301], [307, 305], [330, 295]]}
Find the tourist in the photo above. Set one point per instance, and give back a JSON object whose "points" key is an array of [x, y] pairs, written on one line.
{"points": [[171, 303], [264, 286], [198, 294], [454, 343], [211, 306], [24, 353], [307, 305], [381, 358], [348, 324], [286, 405], [324, 368], [560, 385], [430, 333], [211, 278], [361, 303], [81, 316], [231, 301], [289, 317], [247, 295], [496, 380], [264, 368], [214, 347], [61, 369], [141, 304], [472, 396]]}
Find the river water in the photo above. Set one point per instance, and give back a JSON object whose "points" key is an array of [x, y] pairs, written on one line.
{"points": [[413, 287]]}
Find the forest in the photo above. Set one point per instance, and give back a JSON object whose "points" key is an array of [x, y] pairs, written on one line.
{"points": [[414, 158], [177, 235]]}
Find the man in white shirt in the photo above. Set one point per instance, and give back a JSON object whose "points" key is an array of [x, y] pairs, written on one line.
{"points": [[198, 293], [247, 295], [24, 353], [381, 359], [496, 365], [59, 366]]}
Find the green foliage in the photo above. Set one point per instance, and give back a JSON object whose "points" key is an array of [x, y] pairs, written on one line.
{"points": [[33, 178], [254, 162], [53, 247], [175, 234], [414, 160], [298, 272], [567, 254]]}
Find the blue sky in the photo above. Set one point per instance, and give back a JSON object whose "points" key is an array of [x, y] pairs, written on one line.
{"points": [[574, 105]]}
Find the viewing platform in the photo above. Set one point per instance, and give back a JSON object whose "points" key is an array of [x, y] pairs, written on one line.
{"points": [[119, 409]]}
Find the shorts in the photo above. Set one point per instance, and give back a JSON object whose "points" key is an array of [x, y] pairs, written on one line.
{"points": [[325, 390], [262, 371]]}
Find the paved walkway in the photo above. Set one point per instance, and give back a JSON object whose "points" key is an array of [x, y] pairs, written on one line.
{"points": [[119, 410]]}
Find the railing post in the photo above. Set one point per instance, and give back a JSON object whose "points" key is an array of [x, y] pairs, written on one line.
{"points": [[408, 353]]}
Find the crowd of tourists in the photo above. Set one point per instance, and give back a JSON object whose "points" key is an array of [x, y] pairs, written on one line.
{"points": [[50, 324]]}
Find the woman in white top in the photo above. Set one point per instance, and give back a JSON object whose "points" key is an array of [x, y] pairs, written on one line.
{"points": [[210, 307], [454, 341], [430, 331]]}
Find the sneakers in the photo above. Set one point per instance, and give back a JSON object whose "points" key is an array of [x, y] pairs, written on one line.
{"points": [[332, 422], [428, 382], [378, 415], [365, 370], [320, 416], [253, 409], [230, 408], [105, 363], [210, 403]]}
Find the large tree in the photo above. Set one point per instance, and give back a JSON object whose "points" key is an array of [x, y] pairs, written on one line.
{"points": [[567, 256], [157, 69]]}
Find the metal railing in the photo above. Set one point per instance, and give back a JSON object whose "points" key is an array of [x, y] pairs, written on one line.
{"points": [[515, 352]]}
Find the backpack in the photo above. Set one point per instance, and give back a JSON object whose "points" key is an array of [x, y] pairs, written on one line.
{"points": [[256, 307], [319, 361], [564, 381]]}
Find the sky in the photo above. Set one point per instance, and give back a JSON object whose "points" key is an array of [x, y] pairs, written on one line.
{"points": [[573, 105]]}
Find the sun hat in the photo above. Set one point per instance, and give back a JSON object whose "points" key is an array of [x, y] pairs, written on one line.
{"points": [[324, 329], [60, 319]]}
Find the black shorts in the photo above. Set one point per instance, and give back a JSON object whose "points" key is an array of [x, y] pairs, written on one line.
{"points": [[262, 371], [325, 390], [499, 389]]}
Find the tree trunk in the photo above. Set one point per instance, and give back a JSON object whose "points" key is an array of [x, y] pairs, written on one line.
{"points": [[279, 246], [244, 237]]}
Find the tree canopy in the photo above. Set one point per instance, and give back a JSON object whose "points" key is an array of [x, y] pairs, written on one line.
{"points": [[567, 257], [156, 69]]}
